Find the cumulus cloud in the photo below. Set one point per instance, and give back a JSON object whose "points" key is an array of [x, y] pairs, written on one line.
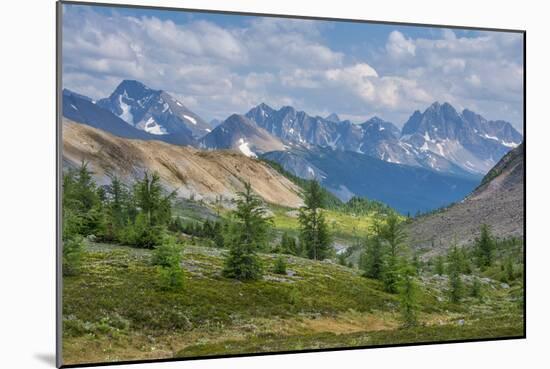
{"points": [[398, 46], [218, 70]]}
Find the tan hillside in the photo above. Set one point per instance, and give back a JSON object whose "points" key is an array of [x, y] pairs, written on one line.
{"points": [[497, 202], [192, 172]]}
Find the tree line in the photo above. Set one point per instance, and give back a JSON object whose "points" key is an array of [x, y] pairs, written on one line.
{"points": [[140, 215]]}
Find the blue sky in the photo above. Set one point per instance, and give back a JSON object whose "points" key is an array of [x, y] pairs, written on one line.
{"points": [[219, 64]]}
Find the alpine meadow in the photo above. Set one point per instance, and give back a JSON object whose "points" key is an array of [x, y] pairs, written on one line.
{"points": [[238, 184]]}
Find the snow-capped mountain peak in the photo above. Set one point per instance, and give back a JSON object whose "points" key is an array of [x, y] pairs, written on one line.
{"points": [[153, 111]]}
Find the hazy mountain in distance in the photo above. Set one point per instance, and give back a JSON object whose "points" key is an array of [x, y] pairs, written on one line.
{"points": [[333, 117], [347, 174]]}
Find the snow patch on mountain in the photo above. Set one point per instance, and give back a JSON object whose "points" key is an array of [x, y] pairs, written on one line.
{"points": [[151, 126], [126, 115], [191, 119], [513, 145]]}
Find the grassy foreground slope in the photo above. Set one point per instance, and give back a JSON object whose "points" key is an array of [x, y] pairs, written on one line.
{"points": [[115, 309]]}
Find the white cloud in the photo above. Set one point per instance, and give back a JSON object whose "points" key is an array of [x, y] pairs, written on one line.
{"points": [[398, 46], [219, 70]]}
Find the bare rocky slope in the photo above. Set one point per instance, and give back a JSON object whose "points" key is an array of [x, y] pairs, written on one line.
{"points": [[191, 172], [497, 202]]}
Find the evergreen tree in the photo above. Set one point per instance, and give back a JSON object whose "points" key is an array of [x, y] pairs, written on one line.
{"points": [[117, 209], [170, 277], [85, 188], [509, 270], [152, 203], [484, 247], [476, 288], [218, 235], [288, 245], [393, 234], [373, 259], [455, 280], [247, 234], [416, 263], [408, 299], [154, 212], [314, 234], [168, 253], [73, 250], [280, 266], [391, 274], [80, 197], [439, 265], [167, 257]]}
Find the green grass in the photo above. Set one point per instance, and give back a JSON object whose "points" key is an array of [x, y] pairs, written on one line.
{"points": [[483, 329], [343, 226], [115, 309]]}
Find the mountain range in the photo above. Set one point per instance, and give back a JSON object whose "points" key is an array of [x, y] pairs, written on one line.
{"points": [[439, 139], [440, 154]]}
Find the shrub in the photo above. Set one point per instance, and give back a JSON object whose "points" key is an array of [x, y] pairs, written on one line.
{"points": [[142, 234], [171, 277], [280, 266], [242, 265], [168, 254]]}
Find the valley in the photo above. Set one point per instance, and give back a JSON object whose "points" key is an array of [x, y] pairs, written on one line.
{"points": [[279, 231]]}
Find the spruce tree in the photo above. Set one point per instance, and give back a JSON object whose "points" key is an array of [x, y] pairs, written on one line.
{"points": [[393, 234], [484, 246], [314, 234], [476, 288], [509, 270], [82, 198], [454, 271], [246, 234], [117, 209], [373, 259], [218, 235], [154, 212], [391, 273], [288, 245], [280, 266], [408, 299], [439, 265]]}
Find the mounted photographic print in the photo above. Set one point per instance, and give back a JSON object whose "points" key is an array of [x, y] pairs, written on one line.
{"points": [[243, 184]]}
